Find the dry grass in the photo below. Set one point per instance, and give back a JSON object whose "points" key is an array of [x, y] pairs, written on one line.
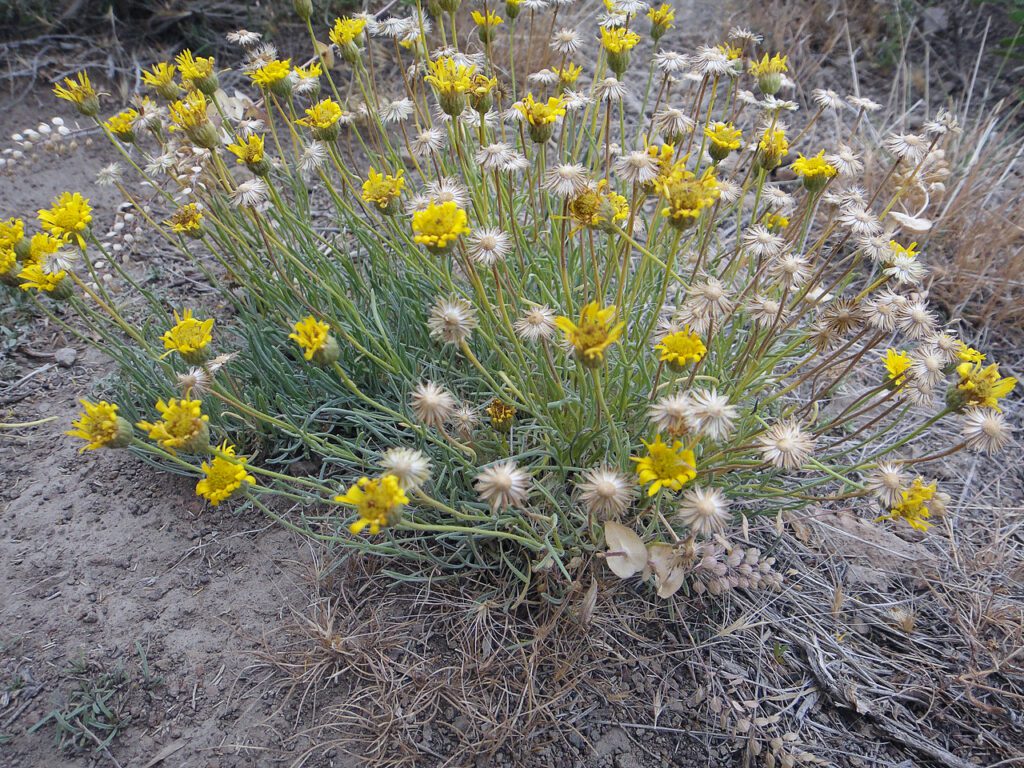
{"points": [[912, 648]]}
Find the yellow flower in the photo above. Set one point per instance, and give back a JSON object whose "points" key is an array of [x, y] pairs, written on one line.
{"points": [[914, 505], [815, 171], [189, 112], [538, 113], [775, 222], [897, 363], [249, 151], [686, 195], [909, 251], [772, 148], [451, 82], [36, 276], [311, 72], [272, 74], [183, 425], [593, 334], [323, 119], [379, 502], [969, 354], [731, 52], [725, 138], [346, 30], [486, 23], [12, 232], [501, 415], [599, 207], [188, 337], [80, 93], [682, 347], [122, 125], [665, 466], [190, 115], [982, 386], [541, 116], [161, 79], [187, 220], [569, 74], [490, 19], [384, 190], [42, 245], [662, 19], [101, 427], [8, 263], [198, 72], [617, 40], [768, 72], [438, 226], [69, 216], [223, 476], [769, 66], [311, 335]]}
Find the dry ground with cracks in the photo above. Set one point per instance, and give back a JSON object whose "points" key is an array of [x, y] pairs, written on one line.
{"points": [[241, 646]]}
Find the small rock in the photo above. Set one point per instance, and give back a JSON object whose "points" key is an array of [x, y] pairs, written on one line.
{"points": [[65, 357]]}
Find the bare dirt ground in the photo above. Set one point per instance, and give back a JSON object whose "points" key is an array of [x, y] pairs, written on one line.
{"points": [[209, 637]]}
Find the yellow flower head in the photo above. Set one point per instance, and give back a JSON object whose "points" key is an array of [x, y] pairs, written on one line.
{"points": [[249, 150], [772, 148], [897, 363], [161, 79], [909, 251], [183, 425], [439, 225], [323, 119], [223, 476], [599, 207], [451, 83], [775, 222], [271, 74], [187, 220], [188, 337], [347, 30], [42, 245], [568, 74], [80, 93], [662, 18], [8, 263], [618, 40], [724, 137], [665, 466], [815, 171], [775, 65], [501, 415], [69, 216], [593, 334], [539, 113], [189, 113], [731, 52], [686, 195], [982, 385], [383, 190], [194, 70], [914, 505], [969, 354], [37, 276], [682, 347], [12, 232], [488, 20], [378, 502], [101, 427], [311, 335], [312, 72], [122, 125]]}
